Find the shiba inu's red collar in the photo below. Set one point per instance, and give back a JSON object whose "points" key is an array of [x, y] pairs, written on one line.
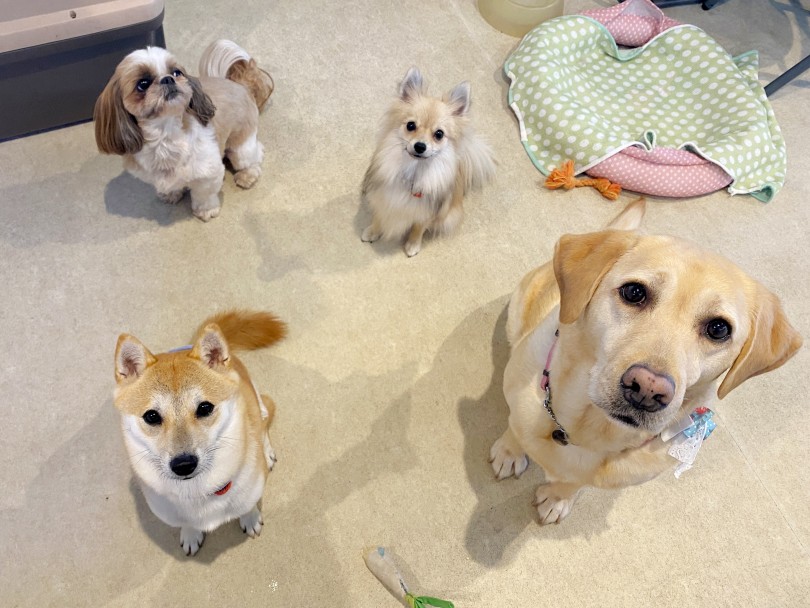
{"points": [[224, 489]]}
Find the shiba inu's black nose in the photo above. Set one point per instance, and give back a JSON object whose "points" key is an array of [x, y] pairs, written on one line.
{"points": [[183, 465], [419, 147]]}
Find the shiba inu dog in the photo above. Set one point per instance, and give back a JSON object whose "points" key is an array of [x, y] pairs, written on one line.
{"points": [[195, 426]]}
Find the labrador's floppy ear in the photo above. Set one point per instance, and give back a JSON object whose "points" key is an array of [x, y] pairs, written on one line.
{"points": [[771, 342], [200, 105], [131, 359], [580, 262]]}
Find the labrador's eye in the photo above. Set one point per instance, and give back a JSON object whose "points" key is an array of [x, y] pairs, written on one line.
{"points": [[633, 293], [718, 329]]}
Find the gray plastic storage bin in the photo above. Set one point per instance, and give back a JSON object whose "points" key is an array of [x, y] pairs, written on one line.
{"points": [[57, 55]]}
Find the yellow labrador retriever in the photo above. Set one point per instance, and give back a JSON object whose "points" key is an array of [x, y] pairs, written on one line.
{"points": [[647, 326]]}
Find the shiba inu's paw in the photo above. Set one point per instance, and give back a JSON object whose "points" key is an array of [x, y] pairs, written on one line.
{"points": [[507, 457], [247, 178], [252, 522], [371, 234], [191, 540], [554, 501], [171, 198], [269, 453]]}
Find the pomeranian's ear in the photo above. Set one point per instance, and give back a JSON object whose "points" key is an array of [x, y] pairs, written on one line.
{"points": [[412, 85], [131, 359], [200, 105], [117, 131], [459, 98], [211, 348]]}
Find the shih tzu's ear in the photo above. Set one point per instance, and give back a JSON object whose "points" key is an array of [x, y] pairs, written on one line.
{"points": [[459, 98], [200, 105], [412, 85], [117, 131]]}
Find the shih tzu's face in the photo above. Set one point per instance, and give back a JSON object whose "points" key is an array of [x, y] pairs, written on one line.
{"points": [[152, 84], [147, 85]]}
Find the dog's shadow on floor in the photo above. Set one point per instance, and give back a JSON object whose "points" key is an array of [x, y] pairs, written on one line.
{"points": [[504, 514], [127, 196]]}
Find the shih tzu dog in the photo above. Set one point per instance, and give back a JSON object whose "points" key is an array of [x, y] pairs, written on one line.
{"points": [[173, 130]]}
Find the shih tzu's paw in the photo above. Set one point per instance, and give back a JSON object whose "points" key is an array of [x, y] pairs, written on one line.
{"points": [[207, 214], [252, 522], [247, 178], [171, 198], [191, 540]]}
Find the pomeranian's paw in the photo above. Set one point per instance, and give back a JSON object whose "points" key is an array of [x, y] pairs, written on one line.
{"points": [[371, 234], [247, 178], [207, 214], [252, 522], [413, 247], [507, 457], [191, 539], [554, 501], [171, 198]]}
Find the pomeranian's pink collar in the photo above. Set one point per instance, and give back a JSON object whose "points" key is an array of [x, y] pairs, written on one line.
{"points": [[224, 489]]}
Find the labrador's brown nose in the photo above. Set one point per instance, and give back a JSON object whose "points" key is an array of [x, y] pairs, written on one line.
{"points": [[646, 390]]}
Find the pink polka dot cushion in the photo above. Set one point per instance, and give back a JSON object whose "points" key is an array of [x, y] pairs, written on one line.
{"points": [[633, 22], [662, 172]]}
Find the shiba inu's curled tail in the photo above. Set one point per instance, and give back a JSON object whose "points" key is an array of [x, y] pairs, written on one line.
{"points": [[226, 59], [247, 329]]}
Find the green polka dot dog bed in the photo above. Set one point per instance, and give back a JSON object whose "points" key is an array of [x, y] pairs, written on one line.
{"points": [[578, 96]]}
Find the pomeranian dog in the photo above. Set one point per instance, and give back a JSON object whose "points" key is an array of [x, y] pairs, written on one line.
{"points": [[196, 427], [427, 158], [173, 129]]}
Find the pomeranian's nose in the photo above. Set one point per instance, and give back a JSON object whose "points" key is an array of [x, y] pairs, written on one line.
{"points": [[419, 147], [167, 80], [183, 465]]}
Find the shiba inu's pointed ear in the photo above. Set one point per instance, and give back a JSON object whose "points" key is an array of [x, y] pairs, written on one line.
{"points": [[459, 99], [211, 347], [412, 85], [131, 359], [771, 342], [580, 262]]}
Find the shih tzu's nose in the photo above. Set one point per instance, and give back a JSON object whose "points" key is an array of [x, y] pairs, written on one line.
{"points": [[418, 147], [167, 80]]}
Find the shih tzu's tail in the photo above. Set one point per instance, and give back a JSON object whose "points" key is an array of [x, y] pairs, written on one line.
{"points": [[226, 59]]}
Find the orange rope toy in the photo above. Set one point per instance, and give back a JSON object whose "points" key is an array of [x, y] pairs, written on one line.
{"points": [[563, 177]]}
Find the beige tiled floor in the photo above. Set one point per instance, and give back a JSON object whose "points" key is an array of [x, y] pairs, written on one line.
{"points": [[389, 387]]}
